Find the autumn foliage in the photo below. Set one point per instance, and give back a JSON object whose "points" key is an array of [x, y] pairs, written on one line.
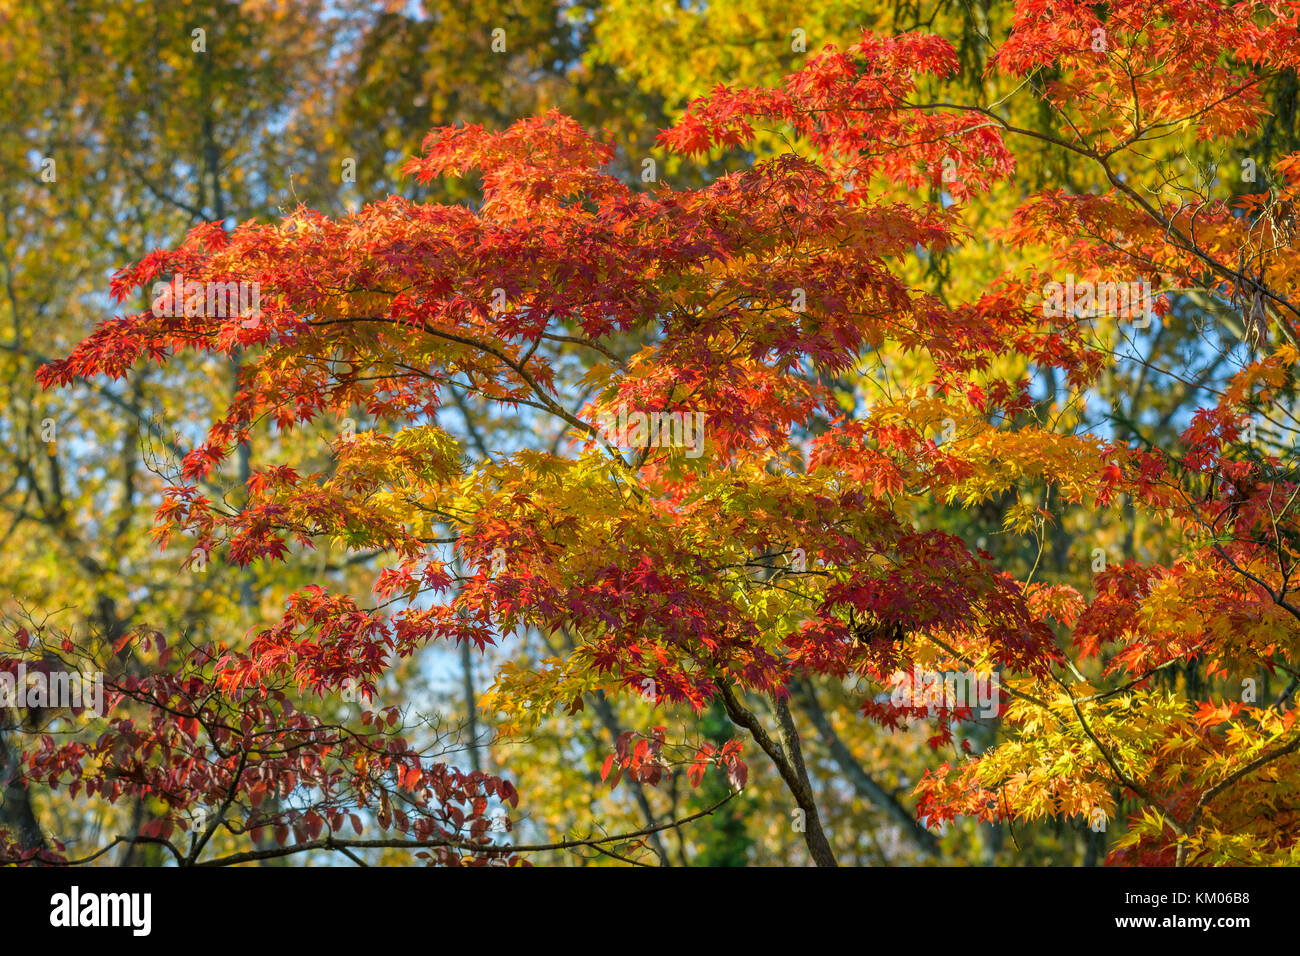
{"points": [[804, 544]]}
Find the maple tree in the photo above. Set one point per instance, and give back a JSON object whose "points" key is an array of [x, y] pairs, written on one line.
{"points": [[140, 155], [804, 538]]}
